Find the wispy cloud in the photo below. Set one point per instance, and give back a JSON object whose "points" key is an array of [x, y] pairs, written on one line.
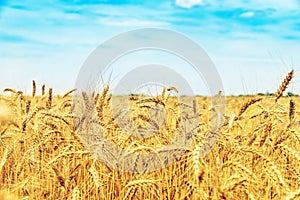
{"points": [[189, 3], [8, 38], [248, 14]]}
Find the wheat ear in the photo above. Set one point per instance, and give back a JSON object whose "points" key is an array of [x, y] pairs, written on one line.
{"points": [[49, 102], [246, 106], [33, 88], [284, 85]]}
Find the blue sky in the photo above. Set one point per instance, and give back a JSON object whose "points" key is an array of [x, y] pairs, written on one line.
{"points": [[252, 43]]}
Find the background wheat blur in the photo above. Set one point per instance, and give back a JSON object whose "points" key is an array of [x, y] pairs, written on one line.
{"points": [[256, 157]]}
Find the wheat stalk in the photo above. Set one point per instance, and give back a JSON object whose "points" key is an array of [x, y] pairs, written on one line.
{"points": [[4, 158], [95, 175]]}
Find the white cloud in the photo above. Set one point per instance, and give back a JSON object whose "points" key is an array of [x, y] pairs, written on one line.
{"points": [[189, 3], [247, 14]]}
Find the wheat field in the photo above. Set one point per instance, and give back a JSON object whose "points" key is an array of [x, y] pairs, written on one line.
{"points": [[42, 155]]}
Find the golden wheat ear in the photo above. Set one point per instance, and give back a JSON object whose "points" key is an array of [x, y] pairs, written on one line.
{"points": [[246, 106], [292, 110], [43, 90], [68, 93], [49, 101], [33, 88], [284, 85]]}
